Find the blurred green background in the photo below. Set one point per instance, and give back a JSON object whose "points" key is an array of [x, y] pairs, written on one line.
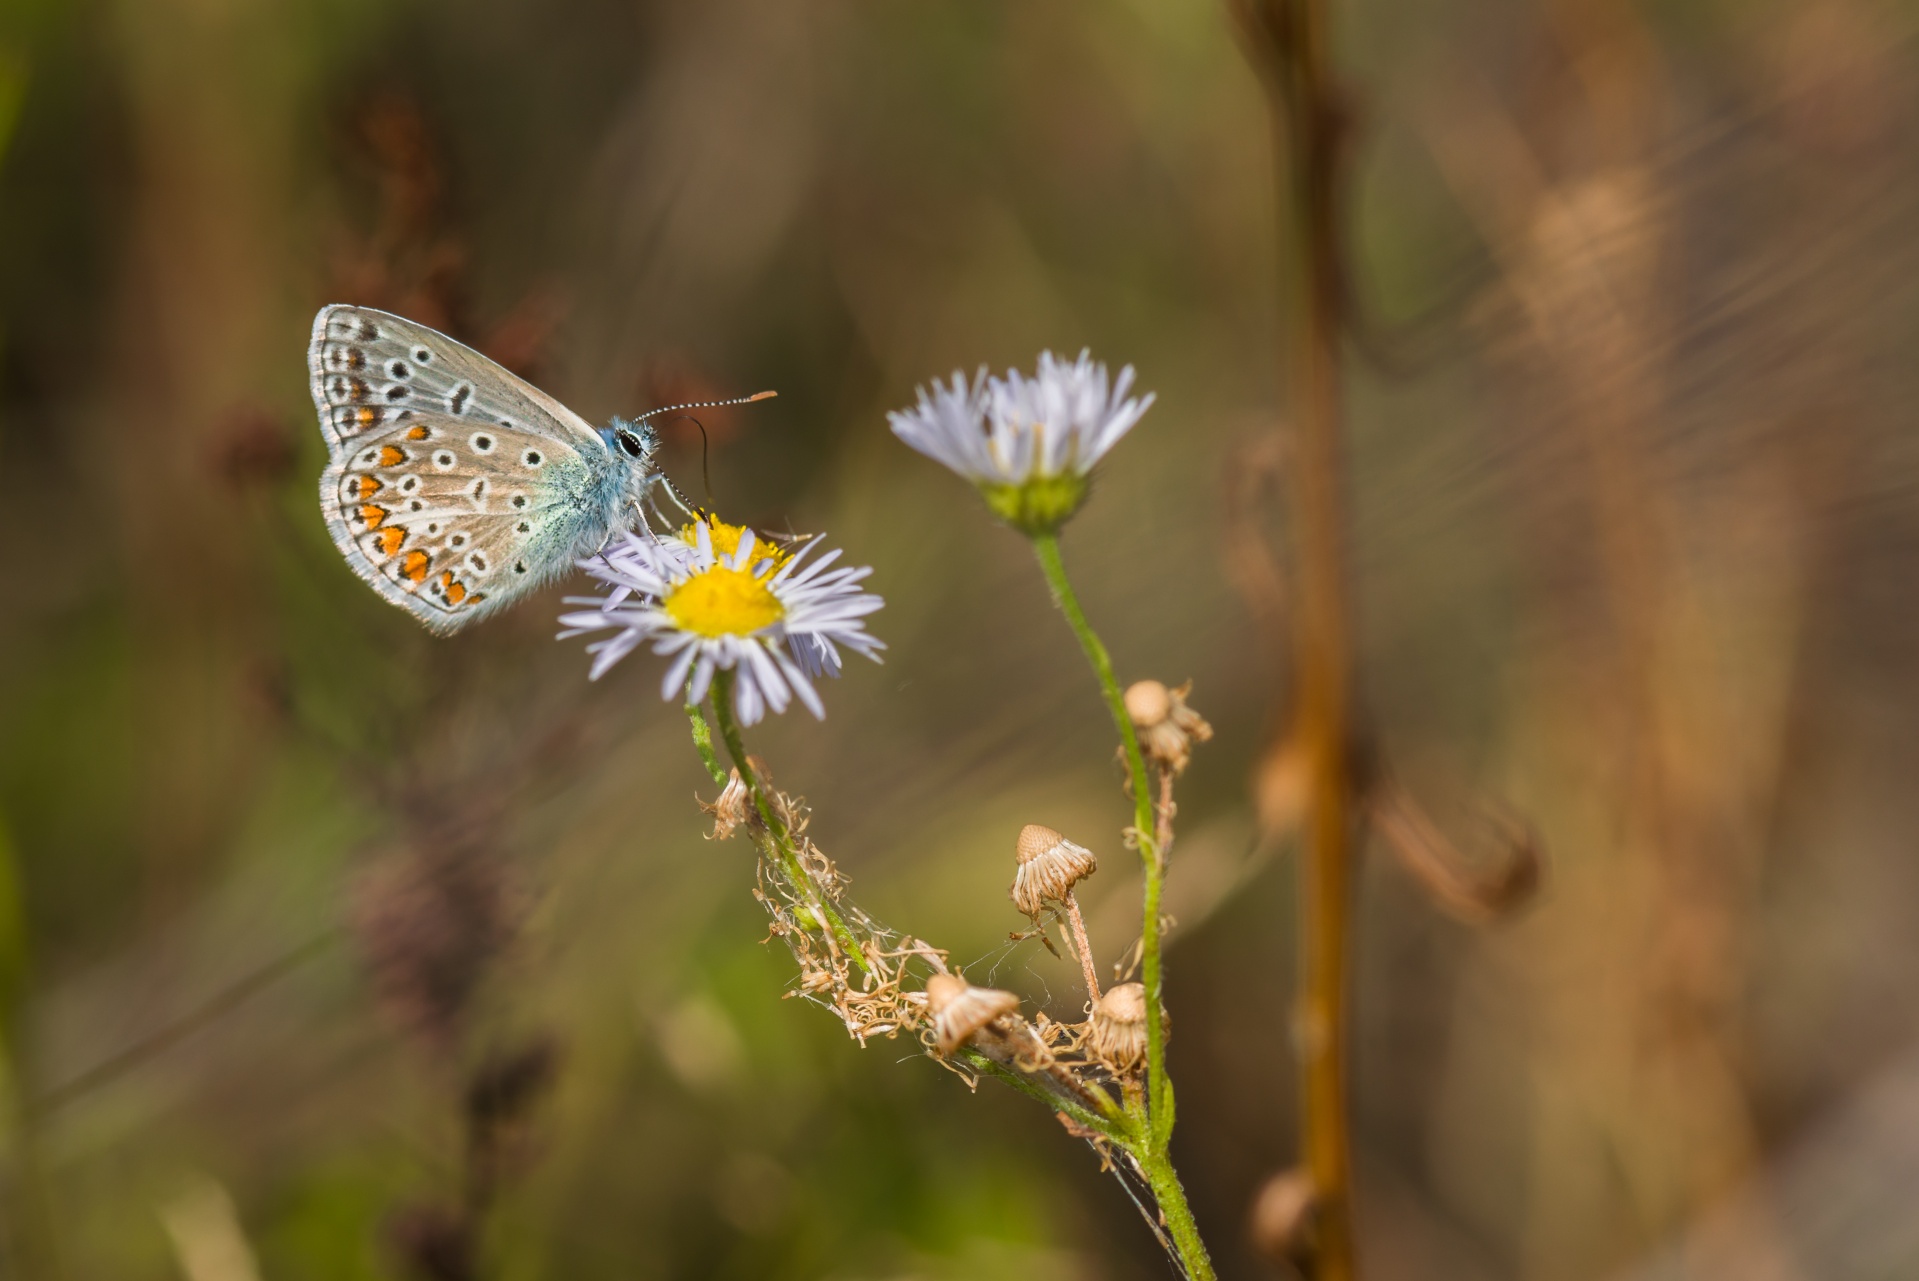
{"points": [[1636, 501]]}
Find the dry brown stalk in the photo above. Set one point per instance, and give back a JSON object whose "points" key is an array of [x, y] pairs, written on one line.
{"points": [[1288, 44]]}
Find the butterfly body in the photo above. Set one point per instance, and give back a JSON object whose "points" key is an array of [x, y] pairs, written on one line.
{"points": [[454, 487]]}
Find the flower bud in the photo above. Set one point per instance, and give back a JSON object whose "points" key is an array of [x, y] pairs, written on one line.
{"points": [[1049, 867], [1167, 727], [960, 1011], [1116, 1034]]}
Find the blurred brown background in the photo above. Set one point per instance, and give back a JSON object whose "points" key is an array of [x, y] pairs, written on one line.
{"points": [[317, 934]]}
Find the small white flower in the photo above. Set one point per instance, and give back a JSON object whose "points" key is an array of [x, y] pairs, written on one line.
{"points": [[1027, 443], [772, 616]]}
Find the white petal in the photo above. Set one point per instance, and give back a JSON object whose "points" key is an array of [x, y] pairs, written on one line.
{"points": [[610, 651], [801, 686], [766, 675], [702, 675], [675, 680]]}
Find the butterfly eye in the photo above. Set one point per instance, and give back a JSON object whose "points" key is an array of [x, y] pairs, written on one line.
{"points": [[630, 444]]}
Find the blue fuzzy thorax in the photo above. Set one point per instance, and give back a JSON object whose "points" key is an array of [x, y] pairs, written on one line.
{"points": [[608, 492]]}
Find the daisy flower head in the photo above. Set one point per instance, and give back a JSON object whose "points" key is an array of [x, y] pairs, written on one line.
{"points": [[1027, 443], [717, 597]]}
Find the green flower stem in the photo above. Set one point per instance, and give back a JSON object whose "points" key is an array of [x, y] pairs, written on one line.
{"points": [[703, 743], [1160, 1091], [1111, 1128], [782, 840], [1157, 1166], [1150, 1144]]}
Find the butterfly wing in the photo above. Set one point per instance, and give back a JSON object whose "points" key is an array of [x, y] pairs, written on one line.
{"points": [[454, 487], [451, 518], [370, 370]]}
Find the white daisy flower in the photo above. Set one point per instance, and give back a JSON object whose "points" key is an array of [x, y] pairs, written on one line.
{"points": [[719, 598], [1028, 444]]}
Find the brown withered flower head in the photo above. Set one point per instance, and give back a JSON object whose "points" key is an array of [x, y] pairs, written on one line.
{"points": [[1167, 727], [1116, 1034], [961, 1011], [1049, 867], [734, 807]]}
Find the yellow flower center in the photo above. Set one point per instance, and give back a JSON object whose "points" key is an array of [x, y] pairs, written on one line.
{"points": [[723, 602], [726, 541]]}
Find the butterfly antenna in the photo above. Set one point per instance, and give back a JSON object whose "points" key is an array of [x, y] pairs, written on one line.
{"points": [[706, 477], [707, 404], [685, 503]]}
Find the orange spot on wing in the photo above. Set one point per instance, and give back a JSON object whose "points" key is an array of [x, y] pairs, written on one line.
{"points": [[369, 487], [366, 415], [414, 566], [455, 593], [392, 456], [477, 598], [390, 539], [416, 433], [372, 515]]}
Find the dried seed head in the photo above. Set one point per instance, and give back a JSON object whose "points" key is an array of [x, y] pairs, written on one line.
{"points": [[1049, 867], [731, 810], [1148, 703], [1116, 1034], [960, 1010], [734, 808], [1282, 1217], [1167, 727]]}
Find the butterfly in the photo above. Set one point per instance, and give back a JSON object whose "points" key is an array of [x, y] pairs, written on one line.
{"points": [[454, 487]]}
